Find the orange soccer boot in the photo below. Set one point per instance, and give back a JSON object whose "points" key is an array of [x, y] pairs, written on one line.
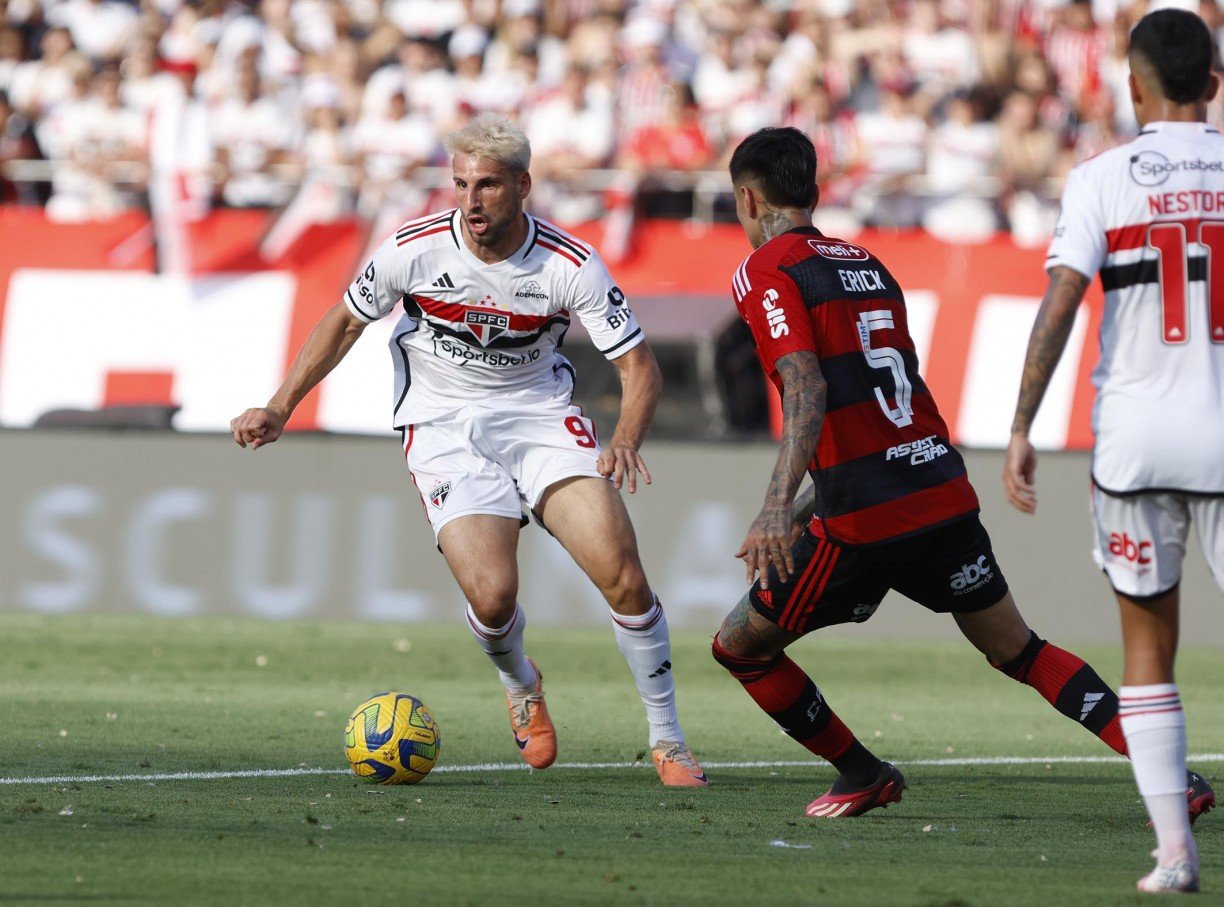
{"points": [[532, 728], [676, 766]]}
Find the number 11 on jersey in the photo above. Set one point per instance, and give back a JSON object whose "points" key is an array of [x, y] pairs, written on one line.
{"points": [[1170, 242]]}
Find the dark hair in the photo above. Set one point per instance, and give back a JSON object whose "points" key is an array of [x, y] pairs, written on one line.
{"points": [[1179, 48], [783, 161]]}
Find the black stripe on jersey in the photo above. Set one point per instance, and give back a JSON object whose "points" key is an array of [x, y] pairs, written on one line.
{"points": [[616, 346], [535, 234], [353, 302], [562, 241], [873, 479], [850, 380], [503, 342], [566, 367], [1194, 493], [454, 234], [1119, 277], [412, 231], [407, 368]]}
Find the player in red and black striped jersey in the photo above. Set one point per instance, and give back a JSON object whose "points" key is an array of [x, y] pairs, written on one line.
{"points": [[890, 505]]}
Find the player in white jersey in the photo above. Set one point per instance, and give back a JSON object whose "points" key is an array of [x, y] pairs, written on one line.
{"points": [[1149, 217], [483, 399]]}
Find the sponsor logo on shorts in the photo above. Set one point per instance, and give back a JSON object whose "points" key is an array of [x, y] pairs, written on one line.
{"points": [[838, 251], [464, 354], [439, 493], [1134, 554], [971, 576], [863, 612], [530, 290], [921, 451]]}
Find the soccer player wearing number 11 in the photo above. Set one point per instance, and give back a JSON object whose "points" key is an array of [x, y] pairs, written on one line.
{"points": [[890, 505], [1149, 217]]}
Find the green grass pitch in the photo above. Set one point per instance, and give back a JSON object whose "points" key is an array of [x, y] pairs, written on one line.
{"points": [[100, 695]]}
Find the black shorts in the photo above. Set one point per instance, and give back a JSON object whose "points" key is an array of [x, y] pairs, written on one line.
{"points": [[951, 569]]}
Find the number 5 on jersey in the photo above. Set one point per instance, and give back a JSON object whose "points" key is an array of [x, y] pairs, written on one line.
{"points": [[887, 357]]}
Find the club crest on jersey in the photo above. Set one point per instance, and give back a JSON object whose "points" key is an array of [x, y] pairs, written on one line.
{"points": [[439, 493], [485, 325]]}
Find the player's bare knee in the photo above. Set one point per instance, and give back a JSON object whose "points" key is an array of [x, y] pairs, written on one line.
{"points": [[628, 591], [493, 604]]}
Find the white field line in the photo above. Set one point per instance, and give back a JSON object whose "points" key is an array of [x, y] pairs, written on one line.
{"points": [[579, 766]]}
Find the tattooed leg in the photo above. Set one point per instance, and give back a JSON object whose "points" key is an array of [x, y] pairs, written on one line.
{"points": [[751, 648]]}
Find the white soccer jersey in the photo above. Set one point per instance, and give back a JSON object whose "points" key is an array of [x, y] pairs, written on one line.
{"points": [[1149, 216], [474, 331]]}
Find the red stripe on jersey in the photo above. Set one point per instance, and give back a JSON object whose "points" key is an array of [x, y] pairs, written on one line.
{"points": [[853, 431], [560, 251], [902, 516], [456, 313], [416, 236], [1135, 236], [425, 221], [568, 237]]}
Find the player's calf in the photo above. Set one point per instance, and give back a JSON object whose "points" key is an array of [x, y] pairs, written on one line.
{"points": [[788, 696], [1069, 684]]}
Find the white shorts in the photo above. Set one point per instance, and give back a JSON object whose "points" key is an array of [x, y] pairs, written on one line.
{"points": [[499, 460], [1141, 539]]}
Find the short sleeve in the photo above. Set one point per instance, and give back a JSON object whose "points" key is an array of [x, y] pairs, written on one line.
{"points": [[603, 310], [380, 285], [1079, 237], [771, 305]]}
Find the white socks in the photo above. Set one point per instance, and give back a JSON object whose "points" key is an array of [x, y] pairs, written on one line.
{"points": [[644, 641], [504, 646], [1155, 729]]}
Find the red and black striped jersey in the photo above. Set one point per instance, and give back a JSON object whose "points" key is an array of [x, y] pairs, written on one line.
{"points": [[884, 467]]}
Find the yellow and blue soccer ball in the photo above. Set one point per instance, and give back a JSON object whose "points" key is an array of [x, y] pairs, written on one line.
{"points": [[392, 738]]}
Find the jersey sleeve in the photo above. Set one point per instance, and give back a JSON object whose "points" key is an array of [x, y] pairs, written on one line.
{"points": [[773, 308], [601, 306], [1079, 238], [380, 285]]}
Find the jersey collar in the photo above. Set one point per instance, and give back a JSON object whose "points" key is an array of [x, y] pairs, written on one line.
{"points": [[1160, 126]]}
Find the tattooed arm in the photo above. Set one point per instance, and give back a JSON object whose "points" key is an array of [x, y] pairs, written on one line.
{"points": [[803, 409], [1054, 321]]}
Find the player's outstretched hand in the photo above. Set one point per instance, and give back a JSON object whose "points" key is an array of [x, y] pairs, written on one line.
{"points": [[1020, 473], [622, 464], [769, 542], [258, 426]]}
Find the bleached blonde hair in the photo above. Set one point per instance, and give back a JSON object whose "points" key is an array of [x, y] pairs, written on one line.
{"points": [[495, 137]]}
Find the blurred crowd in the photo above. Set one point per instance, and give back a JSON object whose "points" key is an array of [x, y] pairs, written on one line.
{"points": [[958, 115]]}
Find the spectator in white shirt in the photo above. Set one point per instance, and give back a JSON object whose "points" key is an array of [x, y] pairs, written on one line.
{"points": [[100, 28], [38, 85], [390, 147], [252, 135], [571, 130]]}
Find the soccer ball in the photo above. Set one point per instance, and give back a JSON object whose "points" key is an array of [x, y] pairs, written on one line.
{"points": [[392, 738]]}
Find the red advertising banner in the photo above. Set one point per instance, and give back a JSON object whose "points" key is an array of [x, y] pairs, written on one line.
{"points": [[86, 321]]}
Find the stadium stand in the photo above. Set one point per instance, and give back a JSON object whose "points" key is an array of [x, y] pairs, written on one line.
{"points": [[958, 115]]}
